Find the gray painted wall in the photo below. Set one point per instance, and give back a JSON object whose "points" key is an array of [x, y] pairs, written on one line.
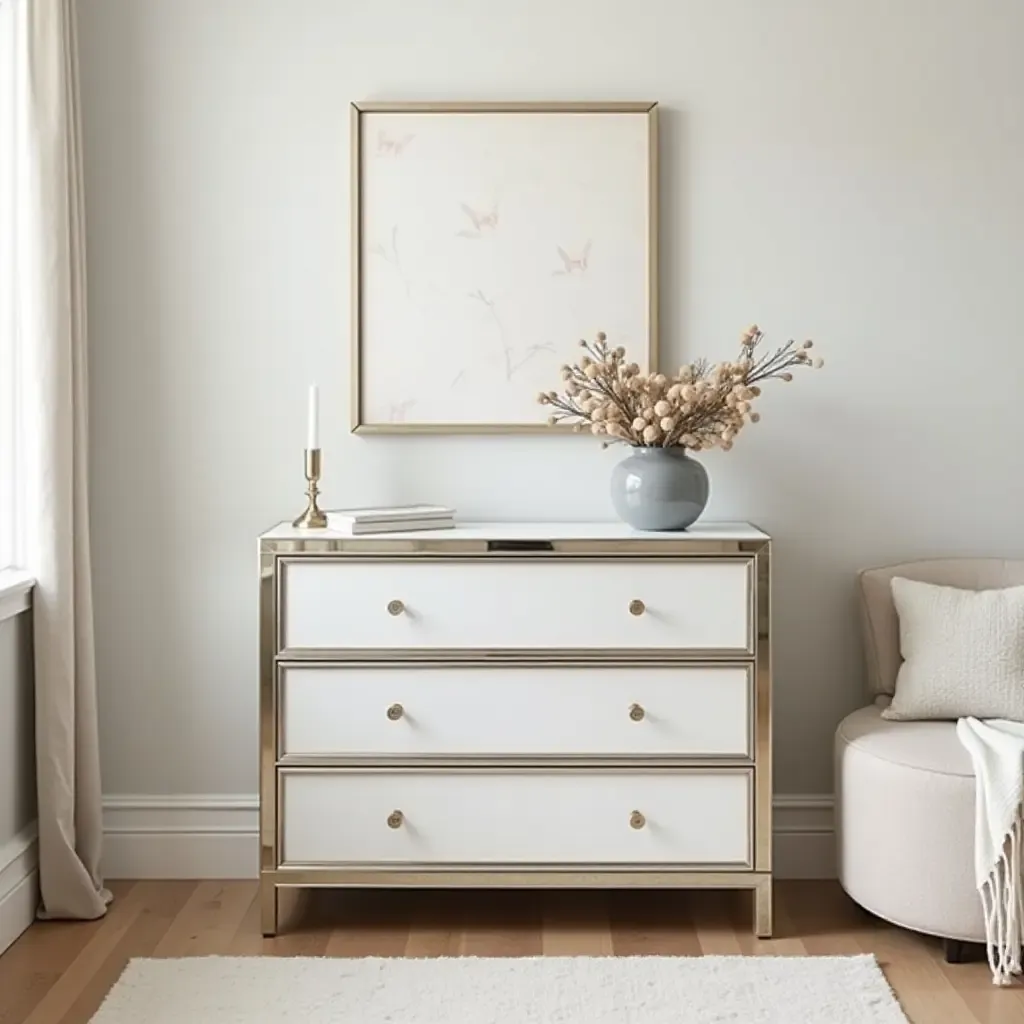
{"points": [[846, 170]]}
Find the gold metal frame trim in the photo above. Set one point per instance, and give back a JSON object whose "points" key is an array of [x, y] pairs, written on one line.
{"points": [[513, 656], [763, 721], [520, 867], [268, 711], [505, 106], [489, 878], [456, 548], [533, 762], [358, 425], [482, 758], [536, 654]]}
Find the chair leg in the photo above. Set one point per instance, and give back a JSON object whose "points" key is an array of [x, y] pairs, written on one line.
{"points": [[955, 950]]}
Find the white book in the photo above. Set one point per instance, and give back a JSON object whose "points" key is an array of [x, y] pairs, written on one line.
{"points": [[345, 525], [391, 514]]}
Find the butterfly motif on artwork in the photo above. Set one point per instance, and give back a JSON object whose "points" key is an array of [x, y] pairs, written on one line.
{"points": [[482, 221], [573, 264], [399, 410], [387, 145]]}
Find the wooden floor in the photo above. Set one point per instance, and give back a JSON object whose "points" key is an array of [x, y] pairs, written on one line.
{"points": [[58, 973]]}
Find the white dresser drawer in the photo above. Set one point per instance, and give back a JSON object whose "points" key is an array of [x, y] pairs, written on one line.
{"points": [[527, 604], [403, 817], [469, 711]]}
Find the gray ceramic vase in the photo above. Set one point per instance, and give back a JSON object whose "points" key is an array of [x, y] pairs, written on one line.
{"points": [[659, 489]]}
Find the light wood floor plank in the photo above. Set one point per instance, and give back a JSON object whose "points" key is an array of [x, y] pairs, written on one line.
{"points": [[248, 939], [914, 971], [713, 925], [58, 1001], [785, 940], [576, 924], [435, 925], [59, 972], [207, 922], [502, 924], [973, 982], [33, 965], [641, 926], [367, 923], [827, 921], [160, 904]]}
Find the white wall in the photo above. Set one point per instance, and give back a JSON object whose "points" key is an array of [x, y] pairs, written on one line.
{"points": [[18, 857], [849, 170], [17, 729]]}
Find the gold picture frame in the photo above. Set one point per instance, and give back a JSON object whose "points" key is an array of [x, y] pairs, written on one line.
{"points": [[364, 421]]}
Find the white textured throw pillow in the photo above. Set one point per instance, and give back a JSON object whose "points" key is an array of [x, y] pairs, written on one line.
{"points": [[963, 652]]}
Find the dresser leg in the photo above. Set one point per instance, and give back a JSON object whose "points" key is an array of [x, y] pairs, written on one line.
{"points": [[268, 908], [763, 909]]}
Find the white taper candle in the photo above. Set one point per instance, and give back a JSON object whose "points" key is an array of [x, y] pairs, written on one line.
{"points": [[313, 428]]}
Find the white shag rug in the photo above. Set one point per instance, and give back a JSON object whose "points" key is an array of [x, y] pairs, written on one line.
{"points": [[533, 990]]}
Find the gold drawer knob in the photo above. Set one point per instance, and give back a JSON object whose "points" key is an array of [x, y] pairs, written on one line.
{"points": [[637, 820], [636, 712], [395, 819], [395, 607], [637, 607], [395, 712]]}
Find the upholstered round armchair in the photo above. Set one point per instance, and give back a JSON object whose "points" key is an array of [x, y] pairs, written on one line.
{"points": [[905, 790]]}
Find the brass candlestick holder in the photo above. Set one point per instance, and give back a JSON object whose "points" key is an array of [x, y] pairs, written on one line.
{"points": [[312, 518]]}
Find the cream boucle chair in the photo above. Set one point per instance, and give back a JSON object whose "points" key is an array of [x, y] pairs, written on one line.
{"points": [[905, 790]]}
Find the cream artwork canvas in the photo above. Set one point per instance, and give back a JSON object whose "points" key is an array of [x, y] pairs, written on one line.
{"points": [[489, 239]]}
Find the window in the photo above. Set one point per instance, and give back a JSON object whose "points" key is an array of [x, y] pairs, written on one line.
{"points": [[9, 454]]}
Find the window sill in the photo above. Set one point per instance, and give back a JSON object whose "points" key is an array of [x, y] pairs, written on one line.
{"points": [[15, 592]]}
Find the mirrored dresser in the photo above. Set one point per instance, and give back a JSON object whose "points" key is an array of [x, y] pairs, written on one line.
{"points": [[515, 705]]}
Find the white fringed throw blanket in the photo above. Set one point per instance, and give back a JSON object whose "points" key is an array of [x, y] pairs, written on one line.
{"points": [[997, 750]]}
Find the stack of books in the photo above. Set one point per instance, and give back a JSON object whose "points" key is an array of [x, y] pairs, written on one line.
{"points": [[390, 520]]}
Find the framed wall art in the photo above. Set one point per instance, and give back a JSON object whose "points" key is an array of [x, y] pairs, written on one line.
{"points": [[488, 239]]}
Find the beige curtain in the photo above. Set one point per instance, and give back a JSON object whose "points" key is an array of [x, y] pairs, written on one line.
{"points": [[49, 262]]}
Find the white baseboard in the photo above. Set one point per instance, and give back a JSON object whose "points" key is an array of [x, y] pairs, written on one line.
{"points": [[19, 885], [180, 836], [804, 834], [217, 836]]}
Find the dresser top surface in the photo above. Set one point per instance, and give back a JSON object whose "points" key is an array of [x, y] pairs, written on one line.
{"points": [[535, 531]]}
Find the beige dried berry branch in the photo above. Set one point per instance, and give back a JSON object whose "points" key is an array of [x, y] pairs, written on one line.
{"points": [[700, 407]]}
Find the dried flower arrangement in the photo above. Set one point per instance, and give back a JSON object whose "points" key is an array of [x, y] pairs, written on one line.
{"points": [[702, 406]]}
